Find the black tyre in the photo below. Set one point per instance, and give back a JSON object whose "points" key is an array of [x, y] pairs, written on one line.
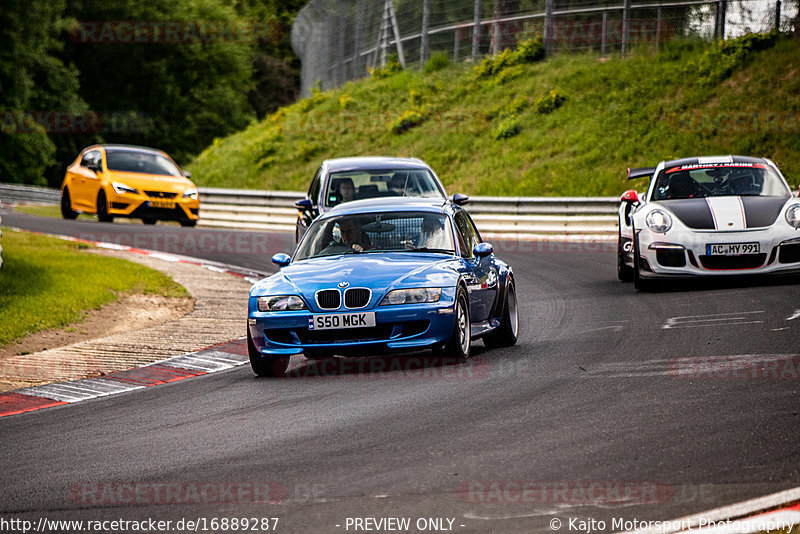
{"points": [[460, 342], [506, 333], [66, 206], [271, 366], [102, 208], [624, 272], [189, 223], [149, 220]]}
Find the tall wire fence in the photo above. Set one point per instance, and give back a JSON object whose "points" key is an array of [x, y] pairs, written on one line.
{"points": [[340, 40]]}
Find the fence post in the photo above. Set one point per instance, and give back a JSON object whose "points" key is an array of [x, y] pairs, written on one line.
{"points": [[548, 27], [398, 43], [341, 22], [604, 37], [426, 16], [722, 8], [658, 27], [357, 39], [777, 15], [456, 44], [476, 31], [626, 25]]}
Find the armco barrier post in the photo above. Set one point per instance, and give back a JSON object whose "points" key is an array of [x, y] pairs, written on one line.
{"points": [[476, 31], [426, 17], [626, 25], [549, 27]]}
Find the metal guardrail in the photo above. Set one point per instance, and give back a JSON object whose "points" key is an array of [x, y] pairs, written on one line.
{"points": [[495, 216], [10, 193]]}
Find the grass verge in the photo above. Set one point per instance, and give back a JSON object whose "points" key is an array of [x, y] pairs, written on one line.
{"points": [[47, 282]]}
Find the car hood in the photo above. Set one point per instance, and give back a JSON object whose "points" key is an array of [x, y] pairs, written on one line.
{"points": [[726, 213], [151, 182], [378, 272]]}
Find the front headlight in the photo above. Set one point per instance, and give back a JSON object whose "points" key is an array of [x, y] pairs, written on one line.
{"points": [[191, 193], [412, 296], [659, 221], [281, 303], [122, 188], [793, 215]]}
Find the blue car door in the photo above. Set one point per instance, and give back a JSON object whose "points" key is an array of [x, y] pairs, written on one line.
{"points": [[480, 273]]}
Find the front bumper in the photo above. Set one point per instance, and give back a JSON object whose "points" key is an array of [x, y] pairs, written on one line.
{"points": [[685, 253], [141, 205], [397, 328]]}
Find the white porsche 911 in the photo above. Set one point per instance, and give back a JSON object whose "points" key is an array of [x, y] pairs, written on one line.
{"points": [[708, 216]]}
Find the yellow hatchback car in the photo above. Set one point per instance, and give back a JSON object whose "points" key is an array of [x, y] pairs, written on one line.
{"points": [[129, 181]]}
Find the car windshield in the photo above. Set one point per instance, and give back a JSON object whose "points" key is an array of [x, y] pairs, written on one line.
{"points": [[717, 180], [360, 184], [378, 232], [143, 162]]}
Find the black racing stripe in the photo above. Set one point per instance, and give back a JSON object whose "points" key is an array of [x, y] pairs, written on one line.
{"points": [[762, 211], [693, 212], [748, 159]]}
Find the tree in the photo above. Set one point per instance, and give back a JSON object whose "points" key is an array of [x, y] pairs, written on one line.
{"points": [[185, 74], [35, 87]]}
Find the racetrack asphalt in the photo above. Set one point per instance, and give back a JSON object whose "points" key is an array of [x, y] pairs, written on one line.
{"points": [[614, 404]]}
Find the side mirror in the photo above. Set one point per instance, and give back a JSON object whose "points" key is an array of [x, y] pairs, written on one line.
{"points": [[303, 205], [482, 250], [281, 259], [629, 196], [187, 174], [460, 199]]}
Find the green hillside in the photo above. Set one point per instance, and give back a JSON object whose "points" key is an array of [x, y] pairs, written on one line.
{"points": [[518, 125]]}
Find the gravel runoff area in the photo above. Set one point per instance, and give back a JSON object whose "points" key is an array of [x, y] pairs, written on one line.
{"points": [[220, 303]]}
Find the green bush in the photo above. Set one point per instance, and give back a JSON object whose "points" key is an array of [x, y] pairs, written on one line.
{"points": [[528, 51], [307, 104], [265, 146], [494, 64], [415, 98], [549, 102], [437, 61], [723, 57], [345, 101], [508, 127], [406, 121], [392, 67], [508, 74]]}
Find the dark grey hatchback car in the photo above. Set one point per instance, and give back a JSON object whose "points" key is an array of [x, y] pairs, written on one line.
{"points": [[344, 179]]}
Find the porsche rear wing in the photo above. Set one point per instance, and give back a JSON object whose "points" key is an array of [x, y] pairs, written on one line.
{"points": [[641, 172]]}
